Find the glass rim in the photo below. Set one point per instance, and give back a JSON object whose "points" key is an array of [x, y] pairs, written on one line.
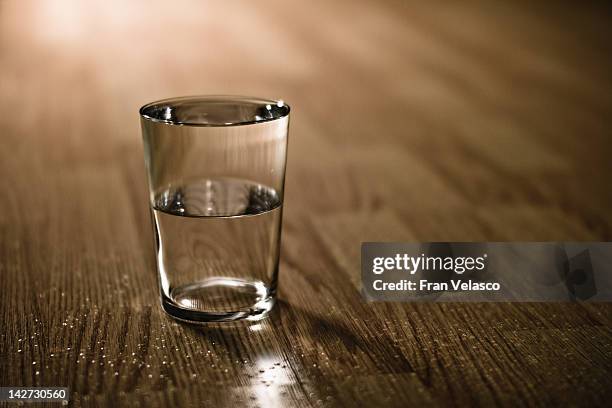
{"points": [[145, 113]]}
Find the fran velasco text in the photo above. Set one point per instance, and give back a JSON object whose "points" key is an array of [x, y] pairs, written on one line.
{"points": [[486, 271], [422, 263]]}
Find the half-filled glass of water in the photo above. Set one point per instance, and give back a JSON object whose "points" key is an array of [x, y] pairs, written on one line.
{"points": [[216, 172]]}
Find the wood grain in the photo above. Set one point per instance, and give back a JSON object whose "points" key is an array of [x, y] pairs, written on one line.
{"points": [[411, 121]]}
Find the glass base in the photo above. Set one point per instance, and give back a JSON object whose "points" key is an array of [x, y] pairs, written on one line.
{"points": [[219, 300]]}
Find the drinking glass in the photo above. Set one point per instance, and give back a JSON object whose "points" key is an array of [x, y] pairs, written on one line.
{"points": [[216, 172]]}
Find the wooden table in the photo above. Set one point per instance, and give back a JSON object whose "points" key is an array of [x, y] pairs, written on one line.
{"points": [[411, 122]]}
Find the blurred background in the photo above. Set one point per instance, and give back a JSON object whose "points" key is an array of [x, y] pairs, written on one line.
{"points": [[411, 121], [458, 111]]}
